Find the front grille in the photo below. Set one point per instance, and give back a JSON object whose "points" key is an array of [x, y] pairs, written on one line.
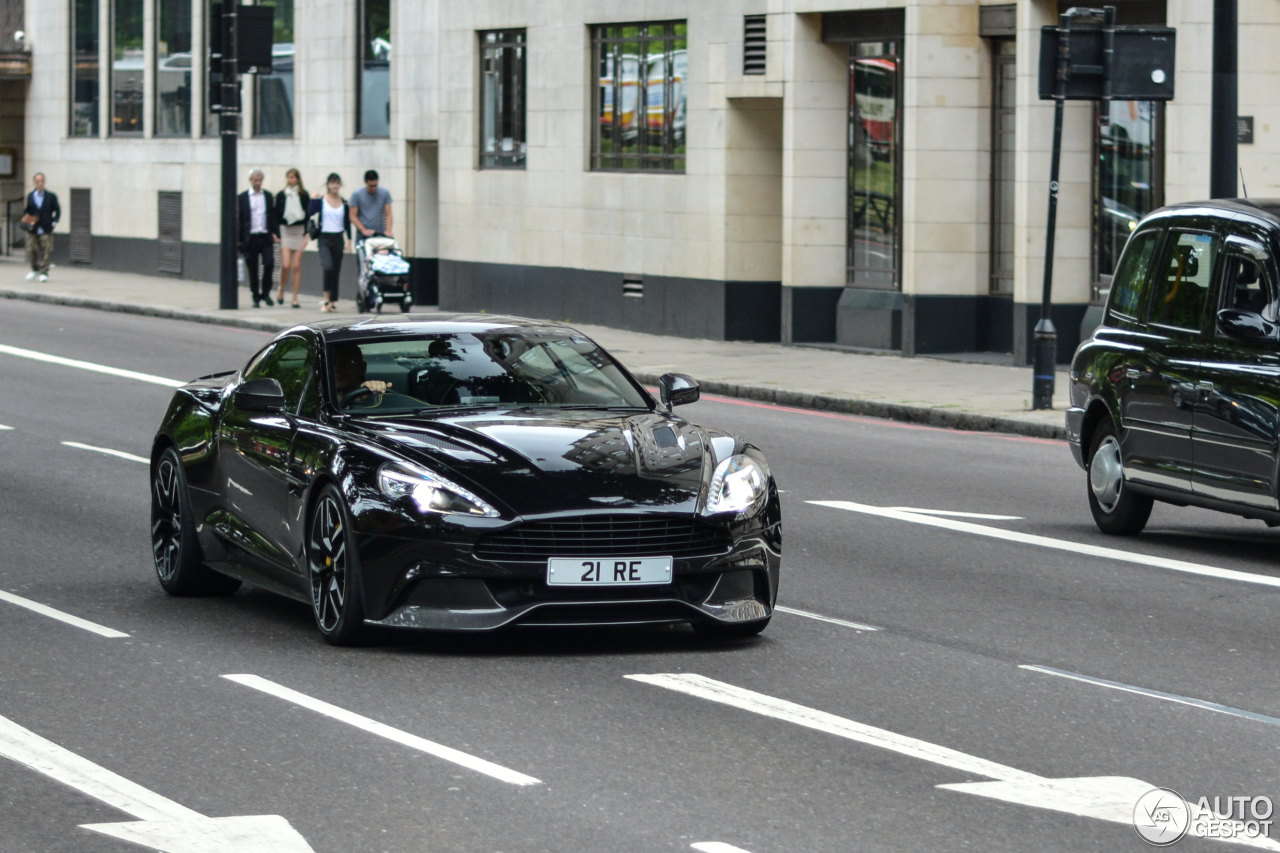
{"points": [[604, 536]]}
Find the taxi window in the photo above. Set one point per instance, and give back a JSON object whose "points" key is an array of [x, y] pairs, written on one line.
{"points": [[1129, 284], [1182, 280], [1245, 286]]}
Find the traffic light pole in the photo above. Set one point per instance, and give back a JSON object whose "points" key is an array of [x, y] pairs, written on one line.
{"points": [[229, 125]]}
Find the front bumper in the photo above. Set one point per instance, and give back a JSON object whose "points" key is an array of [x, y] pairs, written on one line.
{"points": [[1075, 425], [436, 583]]}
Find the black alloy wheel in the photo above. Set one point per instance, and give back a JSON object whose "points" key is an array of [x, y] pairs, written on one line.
{"points": [[1116, 509], [174, 543], [336, 601]]}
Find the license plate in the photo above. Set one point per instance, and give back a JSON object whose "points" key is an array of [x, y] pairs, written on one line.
{"points": [[608, 571]]}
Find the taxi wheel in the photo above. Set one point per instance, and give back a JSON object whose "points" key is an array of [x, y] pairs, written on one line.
{"points": [[1116, 509]]}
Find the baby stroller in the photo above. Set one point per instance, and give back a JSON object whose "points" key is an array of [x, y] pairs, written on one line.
{"points": [[384, 275]]}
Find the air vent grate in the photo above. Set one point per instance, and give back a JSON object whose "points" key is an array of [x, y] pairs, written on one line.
{"points": [[633, 286], [81, 226], [169, 250], [754, 43]]}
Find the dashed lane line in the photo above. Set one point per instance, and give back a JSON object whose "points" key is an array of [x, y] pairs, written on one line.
{"points": [[342, 715], [857, 626], [1154, 694], [1056, 544], [89, 365], [107, 450], [46, 610], [716, 847], [3, 427]]}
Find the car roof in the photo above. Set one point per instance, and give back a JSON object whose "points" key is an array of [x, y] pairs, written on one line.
{"points": [[1265, 209], [414, 325]]}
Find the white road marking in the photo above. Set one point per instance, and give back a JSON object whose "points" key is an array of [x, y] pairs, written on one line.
{"points": [[1155, 694], [1057, 544], [107, 450], [162, 823], [1110, 798], [3, 427], [857, 626], [89, 365], [45, 610], [471, 762], [716, 847], [955, 514]]}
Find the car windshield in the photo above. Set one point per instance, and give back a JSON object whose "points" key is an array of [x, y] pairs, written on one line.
{"points": [[482, 370]]}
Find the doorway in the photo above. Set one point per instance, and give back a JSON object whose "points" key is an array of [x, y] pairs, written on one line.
{"points": [[425, 185]]}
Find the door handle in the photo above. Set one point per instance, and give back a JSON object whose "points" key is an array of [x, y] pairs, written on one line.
{"points": [[1131, 373]]}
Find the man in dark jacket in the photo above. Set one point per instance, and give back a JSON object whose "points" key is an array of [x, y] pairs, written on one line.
{"points": [[40, 216], [259, 232]]}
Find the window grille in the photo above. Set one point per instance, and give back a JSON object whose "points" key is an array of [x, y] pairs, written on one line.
{"points": [[640, 93], [754, 44], [81, 227], [169, 251]]}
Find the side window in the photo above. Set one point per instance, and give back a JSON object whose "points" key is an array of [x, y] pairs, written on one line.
{"points": [[290, 363], [1130, 282], [1245, 286], [1182, 280]]}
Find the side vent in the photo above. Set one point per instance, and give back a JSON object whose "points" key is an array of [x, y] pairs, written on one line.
{"points": [[169, 251], [81, 226], [754, 44], [633, 286]]}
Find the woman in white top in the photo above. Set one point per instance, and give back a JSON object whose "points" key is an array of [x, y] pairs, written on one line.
{"points": [[292, 202], [329, 223]]}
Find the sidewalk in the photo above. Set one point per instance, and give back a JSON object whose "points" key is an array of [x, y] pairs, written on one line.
{"points": [[962, 395]]}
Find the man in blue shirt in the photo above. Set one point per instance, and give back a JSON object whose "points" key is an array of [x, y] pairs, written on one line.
{"points": [[372, 206], [39, 218]]}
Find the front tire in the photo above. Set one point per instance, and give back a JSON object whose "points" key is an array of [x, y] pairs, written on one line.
{"points": [[174, 543], [336, 600], [1116, 509]]}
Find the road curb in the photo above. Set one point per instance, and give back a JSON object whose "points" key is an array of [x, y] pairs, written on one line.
{"points": [[926, 415]]}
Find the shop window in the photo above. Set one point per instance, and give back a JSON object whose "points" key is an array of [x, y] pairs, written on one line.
{"points": [[173, 68], [127, 66], [374, 116], [275, 96], [640, 97], [84, 68], [875, 174], [502, 105]]}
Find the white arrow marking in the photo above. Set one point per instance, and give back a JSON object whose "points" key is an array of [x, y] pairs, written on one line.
{"points": [[716, 847], [46, 610], [107, 450], [448, 753], [1057, 544], [1110, 798], [162, 824], [89, 365]]}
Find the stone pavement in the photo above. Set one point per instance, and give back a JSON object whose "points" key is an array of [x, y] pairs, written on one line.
{"points": [[927, 390]]}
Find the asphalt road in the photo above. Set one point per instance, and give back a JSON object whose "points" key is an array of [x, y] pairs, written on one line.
{"points": [[623, 764]]}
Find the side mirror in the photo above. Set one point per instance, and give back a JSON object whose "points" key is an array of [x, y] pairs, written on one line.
{"points": [[677, 389], [1245, 325], [260, 395]]}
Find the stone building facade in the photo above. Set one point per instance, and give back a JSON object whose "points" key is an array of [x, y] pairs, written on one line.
{"points": [[866, 173]]}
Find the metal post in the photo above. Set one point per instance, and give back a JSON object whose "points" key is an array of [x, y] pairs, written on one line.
{"points": [[1045, 358], [229, 125], [1223, 133]]}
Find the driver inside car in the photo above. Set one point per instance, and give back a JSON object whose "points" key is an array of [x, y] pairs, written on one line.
{"points": [[349, 369]]}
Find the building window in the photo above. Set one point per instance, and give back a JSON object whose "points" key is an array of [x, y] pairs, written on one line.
{"points": [[640, 93], [127, 66], [84, 68], [375, 68], [1128, 179], [875, 174], [173, 68], [1004, 99], [502, 88], [275, 90]]}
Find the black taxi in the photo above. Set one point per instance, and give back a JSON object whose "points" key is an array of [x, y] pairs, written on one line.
{"points": [[1176, 396]]}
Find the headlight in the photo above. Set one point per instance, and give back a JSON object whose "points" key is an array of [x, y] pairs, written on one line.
{"points": [[431, 492], [739, 485]]}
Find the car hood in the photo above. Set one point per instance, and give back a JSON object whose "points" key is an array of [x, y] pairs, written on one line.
{"points": [[545, 462]]}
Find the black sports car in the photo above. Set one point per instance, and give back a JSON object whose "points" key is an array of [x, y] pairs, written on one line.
{"points": [[463, 473]]}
